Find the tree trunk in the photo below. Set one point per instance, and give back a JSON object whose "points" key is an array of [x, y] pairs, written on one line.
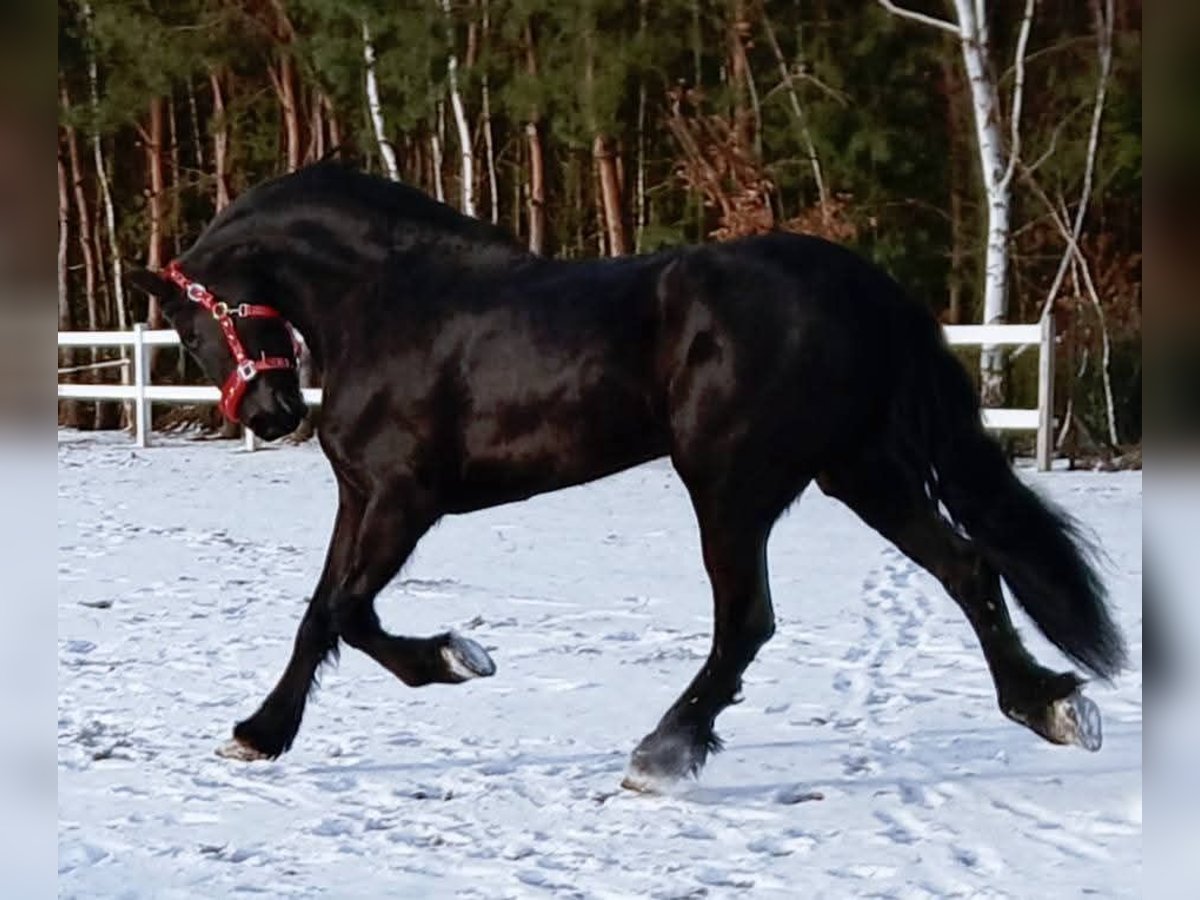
{"points": [[986, 105], [959, 188], [83, 214], [87, 246], [285, 89], [117, 295], [639, 224], [194, 116], [537, 163], [67, 355], [746, 118], [152, 141], [602, 245], [971, 31], [436, 142], [64, 237], [220, 143], [801, 120], [316, 131], [466, 156], [173, 204], [488, 138], [335, 125], [386, 152], [610, 195]]}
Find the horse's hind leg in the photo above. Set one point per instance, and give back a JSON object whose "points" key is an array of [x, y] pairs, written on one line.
{"points": [[886, 499], [734, 542]]}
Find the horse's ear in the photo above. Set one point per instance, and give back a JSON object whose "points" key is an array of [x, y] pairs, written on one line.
{"points": [[679, 277], [150, 283]]}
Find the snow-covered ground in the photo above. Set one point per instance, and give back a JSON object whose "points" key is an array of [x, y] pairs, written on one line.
{"points": [[868, 758]]}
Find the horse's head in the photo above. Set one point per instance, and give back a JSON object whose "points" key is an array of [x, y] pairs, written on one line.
{"points": [[246, 349]]}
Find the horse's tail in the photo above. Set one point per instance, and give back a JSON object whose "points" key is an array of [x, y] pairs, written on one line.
{"points": [[1036, 547]]}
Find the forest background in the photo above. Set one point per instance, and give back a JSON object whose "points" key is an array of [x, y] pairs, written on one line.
{"points": [[987, 153]]}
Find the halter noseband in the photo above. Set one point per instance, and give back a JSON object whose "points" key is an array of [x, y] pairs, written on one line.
{"points": [[245, 368]]}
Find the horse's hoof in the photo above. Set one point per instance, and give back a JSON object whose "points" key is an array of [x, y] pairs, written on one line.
{"points": [[1076, 720], [659, 763], [642, 783], [465, 659], [235, 749]]}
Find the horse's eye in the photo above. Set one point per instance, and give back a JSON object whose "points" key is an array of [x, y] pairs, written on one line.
{"points": [[191, 341]]}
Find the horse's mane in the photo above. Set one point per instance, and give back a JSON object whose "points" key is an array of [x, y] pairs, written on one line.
{"points": [[344, 187]]}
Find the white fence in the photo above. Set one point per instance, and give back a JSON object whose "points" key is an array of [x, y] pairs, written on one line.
{"points": [[142, 393]]}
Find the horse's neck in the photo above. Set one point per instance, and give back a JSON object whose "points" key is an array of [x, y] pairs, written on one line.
{"points": [[320, 313]]}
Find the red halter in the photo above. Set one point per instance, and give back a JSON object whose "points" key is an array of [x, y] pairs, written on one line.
{"points": [[245, 369]]}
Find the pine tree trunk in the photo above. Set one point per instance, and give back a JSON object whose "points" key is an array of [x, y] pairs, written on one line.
{"points": [[194, 117], [959, 186], [639, 224], [220, 143], [87, 246], [489, 145], [537, 162], [117, 287], [172, 205], [602, 245], [316, 131], [66, 356], [83, 214], [610, 195], [745, 116], [152, 143], [64, 237], [285, 89], [335, 125]]}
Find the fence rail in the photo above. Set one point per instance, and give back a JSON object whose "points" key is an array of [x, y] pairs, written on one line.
{"points": [[142, 393]]}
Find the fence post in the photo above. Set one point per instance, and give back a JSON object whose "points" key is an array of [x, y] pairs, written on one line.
{"points": [[1045, 434], [141, 366]]}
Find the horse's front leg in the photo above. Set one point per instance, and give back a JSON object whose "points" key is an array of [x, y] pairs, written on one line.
{"points": [[272, 728], [392, 524]]}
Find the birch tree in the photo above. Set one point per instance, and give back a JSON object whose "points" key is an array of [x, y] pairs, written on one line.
{"points": [[386, 152], [997, 163], [466, 156]]}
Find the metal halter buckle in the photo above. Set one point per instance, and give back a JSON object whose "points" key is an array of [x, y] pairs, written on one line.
{"points": [[247, 370], [196, 291], [220, 309]]}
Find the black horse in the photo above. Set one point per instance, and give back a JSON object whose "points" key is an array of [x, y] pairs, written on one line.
{"points": [[461, 372]]}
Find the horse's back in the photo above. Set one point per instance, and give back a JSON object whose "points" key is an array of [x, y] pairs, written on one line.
{"points": [[554, 375]]}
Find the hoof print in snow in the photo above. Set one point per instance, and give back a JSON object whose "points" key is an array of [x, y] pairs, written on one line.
{"points": [[792, 795]]}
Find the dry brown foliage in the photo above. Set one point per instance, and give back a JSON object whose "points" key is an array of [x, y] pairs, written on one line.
{"points": [[716, 161]]}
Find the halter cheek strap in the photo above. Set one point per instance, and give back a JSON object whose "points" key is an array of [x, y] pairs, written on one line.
{"points": [[245, 369]]}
